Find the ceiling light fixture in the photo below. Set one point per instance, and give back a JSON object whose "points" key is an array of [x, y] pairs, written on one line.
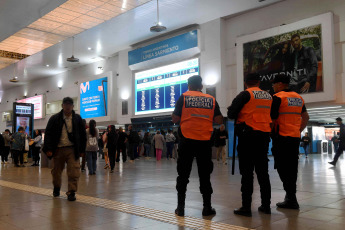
{"points": [[14, 79], [73, 59], [158, 27], [47, 65]]}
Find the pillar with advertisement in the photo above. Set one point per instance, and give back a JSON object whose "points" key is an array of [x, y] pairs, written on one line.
{"points": [[23, 115]]}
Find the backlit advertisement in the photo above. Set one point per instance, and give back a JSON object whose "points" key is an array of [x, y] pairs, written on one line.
{"points": [[157, 90], [94, 98], [38, 105]]}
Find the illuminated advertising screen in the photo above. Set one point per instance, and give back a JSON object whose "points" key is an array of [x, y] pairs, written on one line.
{"points": [[157, 90], [23, 122], [94, 98], [23, 109], [38, 105]]}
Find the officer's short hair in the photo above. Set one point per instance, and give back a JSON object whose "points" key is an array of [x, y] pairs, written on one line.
{"points": [[252, 79], [281, 78], [195, 82], [339, 119]]}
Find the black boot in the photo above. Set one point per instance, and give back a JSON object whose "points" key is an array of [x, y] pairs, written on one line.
{"points": [[56, 192], [290, 202], [243, 211], [180, 204], [265, 209], [71, 196], [208, 210]]}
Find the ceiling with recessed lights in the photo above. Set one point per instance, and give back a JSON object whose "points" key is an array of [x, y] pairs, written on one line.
{"points": [[43, 30]]}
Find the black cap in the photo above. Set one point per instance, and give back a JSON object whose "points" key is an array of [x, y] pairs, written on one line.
{"points": [[195, 81], [281, 78], [338, 119], [252, 77], [67, 100]]}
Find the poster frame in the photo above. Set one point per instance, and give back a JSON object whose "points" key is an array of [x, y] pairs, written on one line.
{"points": [[327, 41]]}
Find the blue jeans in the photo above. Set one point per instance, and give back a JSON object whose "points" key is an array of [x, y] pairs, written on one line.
{"points": [[306, 149], [91, 159], [147, 149], [170, 146]]}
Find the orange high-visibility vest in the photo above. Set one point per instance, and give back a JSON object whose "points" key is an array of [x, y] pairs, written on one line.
{"points": [[197, 115], [256, 112], [289, 119]]}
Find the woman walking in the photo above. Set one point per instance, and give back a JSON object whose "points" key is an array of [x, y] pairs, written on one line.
{"points": [[92, 135], [159, 144], [105, 149], [37, 148], [111, 144]]}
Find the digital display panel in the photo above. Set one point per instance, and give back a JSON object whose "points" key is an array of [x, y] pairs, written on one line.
{"points": [[157, 90], [94, 98], [23, 109], [23, 122], [38, 105]]}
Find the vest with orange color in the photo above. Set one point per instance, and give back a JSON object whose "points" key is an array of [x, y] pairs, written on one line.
{"points": [[256, 112], [290, 110], [197, 115]]}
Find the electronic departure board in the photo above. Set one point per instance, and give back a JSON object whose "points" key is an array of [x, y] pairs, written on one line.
{"points": [[157, 90]]}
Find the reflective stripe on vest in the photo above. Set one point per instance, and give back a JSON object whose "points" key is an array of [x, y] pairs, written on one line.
{"points": [[197, 115], [289, 119], [256, 112]]}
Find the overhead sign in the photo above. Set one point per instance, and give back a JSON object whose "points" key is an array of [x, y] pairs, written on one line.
{"points": [[93, 98], [157, 90], [169, 46], [38, 105]]}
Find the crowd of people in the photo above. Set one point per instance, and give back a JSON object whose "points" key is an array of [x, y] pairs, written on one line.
{"points": [[258, 117]]}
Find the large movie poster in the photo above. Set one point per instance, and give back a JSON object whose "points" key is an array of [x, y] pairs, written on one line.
{"points": [[296, 54]]}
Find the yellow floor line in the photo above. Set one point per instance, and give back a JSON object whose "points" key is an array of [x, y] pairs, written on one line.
{"points": [[154, 214]]}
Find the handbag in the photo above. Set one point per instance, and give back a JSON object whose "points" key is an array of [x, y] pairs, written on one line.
{"points": [[105, 149], [302, 144], [26, 145]]}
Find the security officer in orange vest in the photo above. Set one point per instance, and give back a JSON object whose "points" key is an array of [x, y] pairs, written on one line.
{"points": [[196, 112], [290, 117], [251, 109]]}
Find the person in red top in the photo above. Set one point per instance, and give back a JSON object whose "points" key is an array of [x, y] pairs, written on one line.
{"points": [[251, 109], [290, 117], [196, 112]]}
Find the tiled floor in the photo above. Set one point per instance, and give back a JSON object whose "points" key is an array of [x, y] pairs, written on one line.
{"points": [[149, 184]]}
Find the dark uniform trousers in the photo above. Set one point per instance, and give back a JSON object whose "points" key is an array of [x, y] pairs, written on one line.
{"points": [[252, 154], [121, 148], [202, 151], [285, 151], [61, 157], [339, 151]]}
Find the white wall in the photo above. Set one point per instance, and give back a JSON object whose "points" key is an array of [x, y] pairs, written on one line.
{"points": [[284, 13], [69, 88]]}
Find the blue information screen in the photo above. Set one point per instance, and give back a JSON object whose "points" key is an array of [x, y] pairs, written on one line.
{"points": [[157, 90], [94, 98]]}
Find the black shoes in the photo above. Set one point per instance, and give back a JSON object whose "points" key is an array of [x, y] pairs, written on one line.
{"points": [[208, 211], [264, 209], [242, 211], [332, 163], [56, 192], [288, 204], [71, 196], [179, 211]]}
